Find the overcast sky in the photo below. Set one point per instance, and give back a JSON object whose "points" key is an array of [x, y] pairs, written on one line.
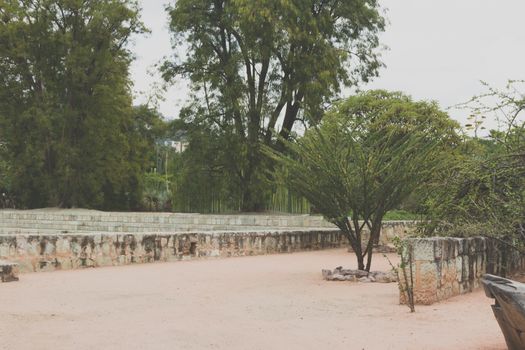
{"points": [[438, 50]]}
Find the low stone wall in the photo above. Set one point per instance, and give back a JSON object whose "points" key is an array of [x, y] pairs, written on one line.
{"points": [[71, 251], [446, 267], [391, 229], [49, 239]]}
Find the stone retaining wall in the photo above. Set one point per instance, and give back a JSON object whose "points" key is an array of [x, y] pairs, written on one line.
{"points": [[41, 240], [65, 251], [446, 267]]}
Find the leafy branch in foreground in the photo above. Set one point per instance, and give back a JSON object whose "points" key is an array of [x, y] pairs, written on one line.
{"points": [[405, 279], [482, 190]]}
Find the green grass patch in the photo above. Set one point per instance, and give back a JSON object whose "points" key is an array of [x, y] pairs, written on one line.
{"points": [[401, 215]]}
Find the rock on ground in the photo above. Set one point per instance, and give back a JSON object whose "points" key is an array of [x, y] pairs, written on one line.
{"points": [[340, 274], [8, 271]]}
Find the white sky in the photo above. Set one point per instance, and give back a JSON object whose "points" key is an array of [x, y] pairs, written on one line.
{"points": [[438, 50]]}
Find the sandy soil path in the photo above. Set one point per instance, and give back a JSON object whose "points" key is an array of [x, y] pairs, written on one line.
{"points": [[264, 302]]}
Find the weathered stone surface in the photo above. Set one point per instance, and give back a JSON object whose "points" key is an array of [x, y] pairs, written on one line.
{"points": [[70, 251], [445, 267], [357, 273], [337, 277], [340, 274], [366, 280], [384, 277], [424, 249], [8, 271], [68, 239], [509, 308], [326, 273], [73, 221]]}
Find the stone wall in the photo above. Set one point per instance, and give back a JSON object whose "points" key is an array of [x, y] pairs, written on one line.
{"points": [[391, 229], [73, 220], [81, 220], [446, 267], [67, 251], [41, 240]]}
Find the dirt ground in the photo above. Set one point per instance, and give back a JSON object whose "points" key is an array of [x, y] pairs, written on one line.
{"points": [[263, 302]]}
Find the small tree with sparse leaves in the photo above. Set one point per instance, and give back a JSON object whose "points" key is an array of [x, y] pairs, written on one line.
{"points": [[368, 154]]}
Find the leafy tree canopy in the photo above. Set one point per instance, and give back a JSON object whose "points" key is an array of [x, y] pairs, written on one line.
{"points": [[368, 154], [65, 102], [256, 65]]}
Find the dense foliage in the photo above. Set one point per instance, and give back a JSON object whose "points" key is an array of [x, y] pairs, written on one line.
{"points": [[259, 70], [200, 182], [67, 127], [259, 67], [481, 191]]}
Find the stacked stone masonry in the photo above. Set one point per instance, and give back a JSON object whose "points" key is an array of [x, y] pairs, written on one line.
{"points": [[80, 221], [446, 267], [67, 251], [50, 240]]}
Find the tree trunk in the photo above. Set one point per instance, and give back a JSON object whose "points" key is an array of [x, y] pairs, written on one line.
{"points": [[375, 232], [369, 257], [354, 238], [252, 193], [360, 262], [252, 200]]}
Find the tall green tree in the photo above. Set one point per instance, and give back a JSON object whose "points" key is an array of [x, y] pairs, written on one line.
{"points": [[65, 101], [202, 186], [5, 179], [369, 153], [259, 67]]}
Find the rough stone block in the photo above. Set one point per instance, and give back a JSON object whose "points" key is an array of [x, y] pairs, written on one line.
{"points": [[465, 271], [445, 267], [459, 268], [426, 283], [449, 248], [440, 248], [423, 249], [4, 250], [8, 271]]}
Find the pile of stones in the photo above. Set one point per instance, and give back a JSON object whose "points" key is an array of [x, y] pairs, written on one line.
{"points": [[8, 271], [340, 274]]}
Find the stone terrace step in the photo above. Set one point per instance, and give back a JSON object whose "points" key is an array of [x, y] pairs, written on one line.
{"points": [[62, 220], [10, 231], [163, 218], [120, 227]]}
